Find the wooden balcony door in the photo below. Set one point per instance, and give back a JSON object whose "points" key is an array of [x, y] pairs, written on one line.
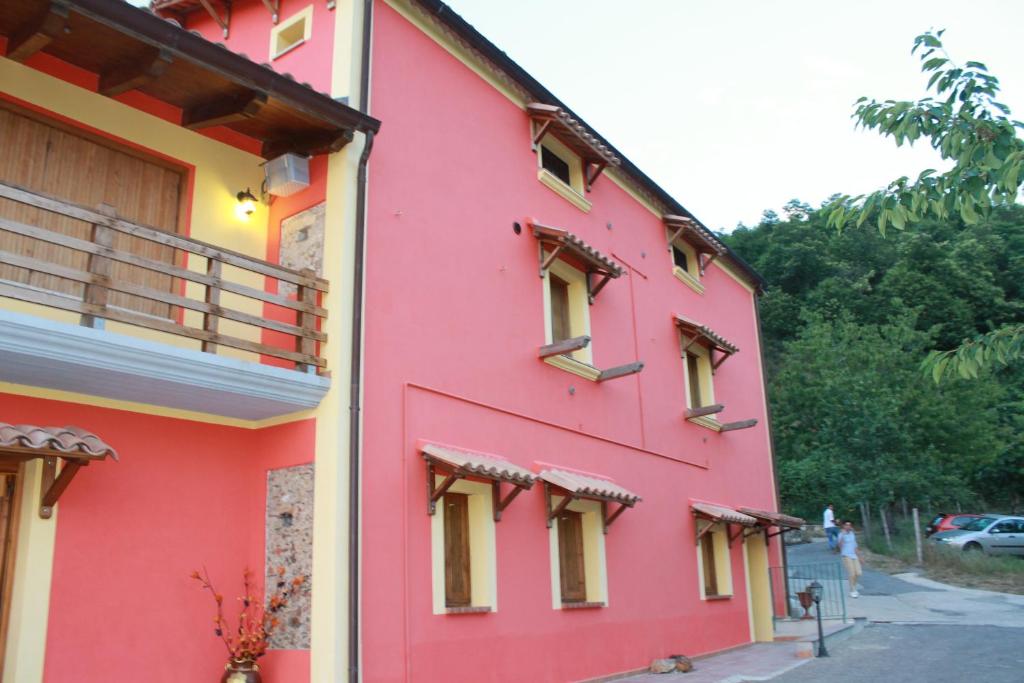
{"points": [[571, 562], [51, 158], [10, 494]]}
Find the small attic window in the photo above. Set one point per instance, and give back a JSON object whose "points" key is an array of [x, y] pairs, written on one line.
{"points": [[291, 32], [555, 164]]}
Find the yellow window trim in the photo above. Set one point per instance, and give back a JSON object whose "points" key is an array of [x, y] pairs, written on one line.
{"points": [[482, 548], [575, 198], [595, 566], [574, 366], [304, 15], [708, 422], [723, 563], [689, 280]]}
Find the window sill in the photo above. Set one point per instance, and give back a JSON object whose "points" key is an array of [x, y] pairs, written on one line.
{"points": [[717, 597], [583, 605], [288, 49], [688, 279], [575, 198], [707, 422], [574, 366], [468, 610]]}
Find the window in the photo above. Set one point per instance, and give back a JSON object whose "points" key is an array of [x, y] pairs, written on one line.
{"points": [[686, 264], [578, 572], [567, 315], [570, 557], [713, 561], [463, 549], [707, 548], [561, 169], [699, 389], [457, 578], [291, 32], [561, 326], [555, 164]]}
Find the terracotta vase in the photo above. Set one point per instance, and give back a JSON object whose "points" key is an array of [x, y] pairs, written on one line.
{"points": [[241, 671], [805, 601]]}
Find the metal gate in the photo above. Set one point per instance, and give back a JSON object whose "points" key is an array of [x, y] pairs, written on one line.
{"points": [[790, 590]]}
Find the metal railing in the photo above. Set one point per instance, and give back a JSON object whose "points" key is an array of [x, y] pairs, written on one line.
{"points": [[95, 284], [789, 583]]}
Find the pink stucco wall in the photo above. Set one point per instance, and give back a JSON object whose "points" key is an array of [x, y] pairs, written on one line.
{"points": [[184, 495], [454, 318], [249, 35]]}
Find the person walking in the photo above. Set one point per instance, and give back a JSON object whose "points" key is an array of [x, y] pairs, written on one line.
{"points": [[829, 524], [850, 552]]}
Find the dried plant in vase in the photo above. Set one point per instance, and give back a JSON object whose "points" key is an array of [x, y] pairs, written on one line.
{"points": [[256, 623]]}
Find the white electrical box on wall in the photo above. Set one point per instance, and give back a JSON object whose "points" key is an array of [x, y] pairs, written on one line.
{"points": [[287, 174]]}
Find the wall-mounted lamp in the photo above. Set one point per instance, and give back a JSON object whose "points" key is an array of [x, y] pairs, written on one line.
{"points": [[246, 204]]}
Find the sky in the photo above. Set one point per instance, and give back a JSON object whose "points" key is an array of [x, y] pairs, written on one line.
{"points": [[738, 106]]}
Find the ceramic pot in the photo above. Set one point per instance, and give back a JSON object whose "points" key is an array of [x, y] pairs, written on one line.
{"points": [[241, 671]]}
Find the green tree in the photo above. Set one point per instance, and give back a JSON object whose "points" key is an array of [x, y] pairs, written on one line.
{"points": [[970, 128]]}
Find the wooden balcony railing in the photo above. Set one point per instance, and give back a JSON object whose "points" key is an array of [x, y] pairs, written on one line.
{"points": [[87, 269]]}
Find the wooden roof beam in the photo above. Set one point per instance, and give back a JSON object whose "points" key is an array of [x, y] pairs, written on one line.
{"points": [[704, 410], [742, 424], [322, 143], [620, 371], [224, 110], [225, 21], [564, 346], [136, 73], [274, 7], [38, 34]]}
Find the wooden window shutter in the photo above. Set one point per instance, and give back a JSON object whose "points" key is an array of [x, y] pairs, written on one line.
{"points": [[561, 327], [693, 380], [457, 588], [570, 556], [707, 547]]}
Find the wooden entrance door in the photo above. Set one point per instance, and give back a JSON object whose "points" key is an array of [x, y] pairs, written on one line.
{"points": [[10, 503], [458, 590], [49, 158], [570, 556]]}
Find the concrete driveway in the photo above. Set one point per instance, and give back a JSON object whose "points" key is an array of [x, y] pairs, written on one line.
{"points": [[908, 598]]}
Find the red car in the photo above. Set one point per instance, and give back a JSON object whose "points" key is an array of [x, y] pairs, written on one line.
{"points": [[947, 522]]}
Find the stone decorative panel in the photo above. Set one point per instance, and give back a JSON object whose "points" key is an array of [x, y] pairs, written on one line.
{"points": [[302, 243], [289, 544]]}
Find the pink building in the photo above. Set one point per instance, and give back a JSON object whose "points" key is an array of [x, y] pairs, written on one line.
{"points": [[496, 392]]}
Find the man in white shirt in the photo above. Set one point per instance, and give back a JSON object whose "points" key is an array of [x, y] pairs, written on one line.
{"points": [[829, 524]]}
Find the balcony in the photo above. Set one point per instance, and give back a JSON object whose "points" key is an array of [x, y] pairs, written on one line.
{"points": [[93, 304]]}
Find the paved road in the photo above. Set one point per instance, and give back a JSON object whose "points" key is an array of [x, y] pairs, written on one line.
{"points": [[872, 582], [918, 653]]}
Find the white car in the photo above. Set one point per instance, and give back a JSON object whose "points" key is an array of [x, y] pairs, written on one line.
{"points": [[993, 534]]}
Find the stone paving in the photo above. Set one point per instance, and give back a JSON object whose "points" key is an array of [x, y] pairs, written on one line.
{"points": [[758, 662]]}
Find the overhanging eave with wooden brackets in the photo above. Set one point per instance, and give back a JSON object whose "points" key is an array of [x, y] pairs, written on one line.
{"points": [[555, 243], [720, 514], [455, 464], [595, 155], [130, 49], [693, 332], [575, 486], [75, 447], [707, 245]]}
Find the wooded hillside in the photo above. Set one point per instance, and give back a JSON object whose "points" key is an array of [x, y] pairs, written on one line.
{"points": [[847, 319]]}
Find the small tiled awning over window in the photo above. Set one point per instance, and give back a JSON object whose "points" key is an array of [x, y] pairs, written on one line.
{"points": [[693, 232], [767, 519], [720, 514], [564, 244], [574, 485], [595, 154], [76, 447], [458, 463]]}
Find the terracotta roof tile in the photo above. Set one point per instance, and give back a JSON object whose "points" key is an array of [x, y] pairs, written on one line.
{"points": [[774, 518], [480, 464], [693, 327], [55, 440], [589, 487], [720, 513], [591, 257]]}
